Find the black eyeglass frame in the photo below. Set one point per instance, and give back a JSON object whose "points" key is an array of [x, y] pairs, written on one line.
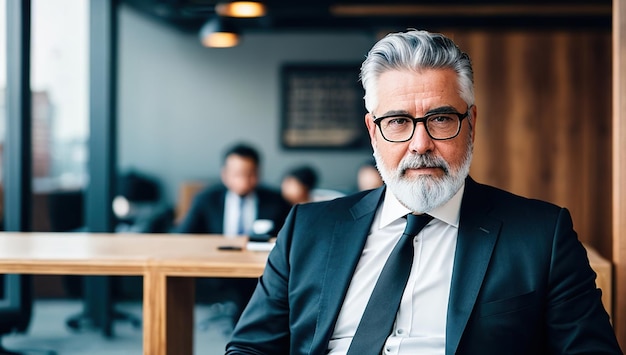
{"points": [[415, 120]]}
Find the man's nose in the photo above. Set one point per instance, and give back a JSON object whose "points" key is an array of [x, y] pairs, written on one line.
{"points": [[421, 142]]}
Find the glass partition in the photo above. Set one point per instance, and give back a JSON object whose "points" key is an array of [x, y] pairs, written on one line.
{"points": [[3, 109], [60, 110]]}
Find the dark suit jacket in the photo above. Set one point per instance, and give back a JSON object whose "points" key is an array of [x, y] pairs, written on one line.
{"points": [[521, 281], [206, 214]]}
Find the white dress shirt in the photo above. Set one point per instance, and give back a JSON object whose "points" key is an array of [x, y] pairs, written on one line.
{"points": [[420, 326], [232, 211]]}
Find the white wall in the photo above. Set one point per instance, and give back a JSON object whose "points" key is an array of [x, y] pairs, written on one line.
{"points": [[181, 104]]}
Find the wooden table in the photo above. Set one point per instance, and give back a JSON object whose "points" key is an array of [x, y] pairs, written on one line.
{"points": [[168, 264]]}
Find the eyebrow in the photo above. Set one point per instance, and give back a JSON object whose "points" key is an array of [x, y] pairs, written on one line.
{"points": [[441, 109]]}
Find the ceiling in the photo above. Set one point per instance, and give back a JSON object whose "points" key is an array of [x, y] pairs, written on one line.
{"points": [[373, 16]]}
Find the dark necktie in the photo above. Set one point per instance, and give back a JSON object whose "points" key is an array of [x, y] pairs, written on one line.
{"points": [[380, 312], [240, 222]]}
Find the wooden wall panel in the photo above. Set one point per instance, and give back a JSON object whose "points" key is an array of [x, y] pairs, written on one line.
{"points": [[544, 120], [619, 168]]}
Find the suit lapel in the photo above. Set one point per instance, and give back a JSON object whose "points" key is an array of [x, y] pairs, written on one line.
{"points": [[219, 206], [348, 239], [475, 242]]}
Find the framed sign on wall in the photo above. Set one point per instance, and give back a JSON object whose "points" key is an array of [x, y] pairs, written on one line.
{"points": [[322, 107]]}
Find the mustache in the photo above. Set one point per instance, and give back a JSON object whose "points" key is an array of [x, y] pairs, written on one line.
{"points": [[419, 161]]}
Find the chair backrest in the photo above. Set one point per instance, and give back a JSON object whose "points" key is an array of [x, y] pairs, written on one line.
{"points": [[65, 210], [325, 194], [186, 193]]}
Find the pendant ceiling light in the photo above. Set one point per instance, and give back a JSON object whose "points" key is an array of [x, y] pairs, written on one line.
{"points": [[244, 9], [218, 33]]}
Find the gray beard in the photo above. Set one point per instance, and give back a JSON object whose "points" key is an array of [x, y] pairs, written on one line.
{"points": [[424, 193]]}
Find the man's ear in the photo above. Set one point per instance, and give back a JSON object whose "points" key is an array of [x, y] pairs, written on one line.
{"points": [[371, 126], [473, 119]]}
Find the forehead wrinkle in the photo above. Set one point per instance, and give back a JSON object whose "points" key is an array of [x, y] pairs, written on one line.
{"points": [[394, 113], [417, 93]]}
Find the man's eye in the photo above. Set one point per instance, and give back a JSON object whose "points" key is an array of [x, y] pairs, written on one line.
{"points": [[398, 121], [441, 118]]}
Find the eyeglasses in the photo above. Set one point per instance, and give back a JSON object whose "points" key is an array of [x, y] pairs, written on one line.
{"points": [[439, 126]]}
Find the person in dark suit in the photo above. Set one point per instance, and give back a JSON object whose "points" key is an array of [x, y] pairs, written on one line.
{"points": [[491, 273], [232, 208]]}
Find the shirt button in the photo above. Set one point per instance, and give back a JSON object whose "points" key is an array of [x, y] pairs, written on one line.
{"points": [[387, 350], [400, 331]]}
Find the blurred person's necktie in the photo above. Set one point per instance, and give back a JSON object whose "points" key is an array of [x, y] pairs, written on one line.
{"points": [[241, 229]]}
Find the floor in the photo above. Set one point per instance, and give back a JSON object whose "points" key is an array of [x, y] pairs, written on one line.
{"points": [[48, 333]]}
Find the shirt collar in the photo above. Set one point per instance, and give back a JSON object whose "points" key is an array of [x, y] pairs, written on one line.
{"points": [[234, 197], [449, 212]]}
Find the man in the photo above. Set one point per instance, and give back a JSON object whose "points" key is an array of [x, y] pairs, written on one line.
{"points": [[491, 273], [231, 209]]}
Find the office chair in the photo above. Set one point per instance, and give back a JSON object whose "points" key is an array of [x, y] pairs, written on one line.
{"points": [[227, 298], [16, 304]]}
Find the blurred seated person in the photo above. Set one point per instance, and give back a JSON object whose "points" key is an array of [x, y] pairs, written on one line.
{"points": [[231, 208], [298, 184], [368, 177]]}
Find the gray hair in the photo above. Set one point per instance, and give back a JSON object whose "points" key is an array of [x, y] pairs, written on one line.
{"points": [[415, 50]]}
